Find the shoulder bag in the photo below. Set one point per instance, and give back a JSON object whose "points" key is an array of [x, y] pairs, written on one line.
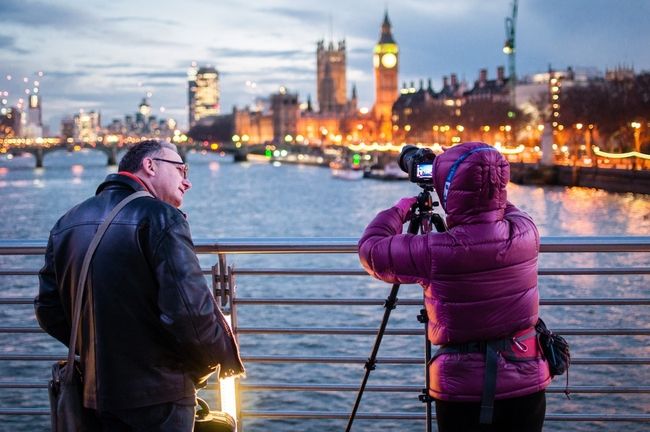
{"points": [[212, 421]]}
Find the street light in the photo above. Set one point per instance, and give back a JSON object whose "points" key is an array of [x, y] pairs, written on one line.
{"points": [[637, 140]]}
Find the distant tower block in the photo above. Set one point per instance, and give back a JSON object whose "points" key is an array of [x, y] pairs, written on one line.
{"points": [[331, 77], [203, 93], [386, 65]]}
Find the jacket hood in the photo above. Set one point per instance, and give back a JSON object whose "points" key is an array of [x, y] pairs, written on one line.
{"points": [[470, 180]]}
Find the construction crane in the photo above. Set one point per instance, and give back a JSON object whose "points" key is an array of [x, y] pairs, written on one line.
{"points": [[509, 50]]}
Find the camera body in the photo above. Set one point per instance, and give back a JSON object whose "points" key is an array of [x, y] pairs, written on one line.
{"points": [[418, 163]]}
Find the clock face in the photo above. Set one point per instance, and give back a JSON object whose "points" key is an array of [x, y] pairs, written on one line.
{"points": [[375, 60], [389, 60]]}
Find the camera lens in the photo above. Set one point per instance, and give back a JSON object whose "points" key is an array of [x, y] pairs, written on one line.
{"points": [[406, 157]]}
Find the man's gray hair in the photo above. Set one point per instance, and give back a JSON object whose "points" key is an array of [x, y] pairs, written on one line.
{"points": [[132, 160]]}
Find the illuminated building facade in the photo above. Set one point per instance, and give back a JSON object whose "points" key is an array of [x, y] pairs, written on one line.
{"points": [[203, 93], [9, 122], [33, 118], [284, 106], [34, 113], [87, 127], [386, 66], [331, 83]]}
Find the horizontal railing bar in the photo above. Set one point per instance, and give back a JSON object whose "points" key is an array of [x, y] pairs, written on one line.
{"points": [[23, 384], [358, 272], [349, 245], [419, 331], [372, 388], [354, 272], [593, 301], [21, 330], [418, 302], [372, 331], [418, 360], [348, 359], [418, 388], [19, 272], [298, 272], [417, 416], [25, 411], [17, 300], [33, 357], [371, 416], [593, 271], [401, 302]]}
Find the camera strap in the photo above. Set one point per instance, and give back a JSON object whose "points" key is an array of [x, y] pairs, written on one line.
{"points": [[454, 168]]}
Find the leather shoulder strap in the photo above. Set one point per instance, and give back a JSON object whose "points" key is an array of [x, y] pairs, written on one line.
{"points": [[76, 317]]}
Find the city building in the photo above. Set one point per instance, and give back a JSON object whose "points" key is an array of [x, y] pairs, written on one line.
{"points": [[491, 90], [455, 113], [203, 93], [33, 118], [10, 122], [87, 127], [386, 67], [331, 81], [532, 91], [285, 113]]}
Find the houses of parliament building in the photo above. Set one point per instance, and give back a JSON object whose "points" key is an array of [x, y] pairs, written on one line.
{"points": [[397, 115], [336, 118]]}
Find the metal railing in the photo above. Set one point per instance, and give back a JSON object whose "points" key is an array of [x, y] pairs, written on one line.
{"points": [[227, 279]]}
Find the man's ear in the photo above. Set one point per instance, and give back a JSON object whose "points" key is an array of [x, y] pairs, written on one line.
{"points": [[148, 167]]}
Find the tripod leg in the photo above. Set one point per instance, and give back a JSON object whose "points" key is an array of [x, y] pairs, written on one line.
{"points": [[424, 396], [391, 302], [429, 399]]}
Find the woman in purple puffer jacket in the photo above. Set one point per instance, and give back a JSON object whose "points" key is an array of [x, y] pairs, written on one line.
{"points": [[480, 289]]}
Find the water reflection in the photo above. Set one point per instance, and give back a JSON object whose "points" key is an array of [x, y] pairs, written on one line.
{"points": [[213, 166], [77, 170], [583, 211]]}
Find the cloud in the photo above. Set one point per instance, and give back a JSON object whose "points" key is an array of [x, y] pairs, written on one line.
{"points": [[256, 53], [124, 19], [105, 65], [66, 74], [145, 74], [36, 13], [301, 15], [9, 43]]}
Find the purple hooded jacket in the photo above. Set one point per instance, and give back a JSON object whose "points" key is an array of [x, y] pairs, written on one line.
{"points": [[479, 277]]}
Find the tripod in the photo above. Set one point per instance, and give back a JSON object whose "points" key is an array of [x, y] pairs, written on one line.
{"points": [[422, 221]]}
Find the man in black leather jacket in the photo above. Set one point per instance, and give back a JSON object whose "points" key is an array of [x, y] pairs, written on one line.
{"points": [[150, 329]]}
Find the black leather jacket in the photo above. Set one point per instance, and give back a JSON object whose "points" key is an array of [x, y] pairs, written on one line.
{"points": [[150, 324]]}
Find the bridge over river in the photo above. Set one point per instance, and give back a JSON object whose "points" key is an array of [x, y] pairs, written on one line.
{"points": [[39, 147]]}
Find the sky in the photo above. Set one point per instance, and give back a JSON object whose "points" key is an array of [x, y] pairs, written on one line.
{"points": [[105, 56]]}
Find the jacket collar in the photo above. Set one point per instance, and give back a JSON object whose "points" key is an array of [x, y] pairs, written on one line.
{"points": [[122, 179], [126, 180]]}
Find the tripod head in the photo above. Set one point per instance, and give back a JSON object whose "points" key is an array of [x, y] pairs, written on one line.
{"points": [[424, 214]]}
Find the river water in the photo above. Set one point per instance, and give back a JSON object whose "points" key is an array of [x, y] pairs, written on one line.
{"points": [[264, 200]]}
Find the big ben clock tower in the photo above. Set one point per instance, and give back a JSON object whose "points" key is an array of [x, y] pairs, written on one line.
{"points": [[385, 61]]}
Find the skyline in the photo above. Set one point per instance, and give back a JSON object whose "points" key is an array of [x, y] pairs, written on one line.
{"points": [[107, 57]]}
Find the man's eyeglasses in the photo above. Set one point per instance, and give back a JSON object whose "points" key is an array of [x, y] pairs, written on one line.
{"points": [[182, 166]]}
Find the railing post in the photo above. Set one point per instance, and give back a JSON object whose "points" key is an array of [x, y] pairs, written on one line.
{"points": [[233, 322], [223, 285], [220, 281]]}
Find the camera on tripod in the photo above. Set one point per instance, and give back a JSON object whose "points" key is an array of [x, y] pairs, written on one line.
{"points": [[418, 163]]}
